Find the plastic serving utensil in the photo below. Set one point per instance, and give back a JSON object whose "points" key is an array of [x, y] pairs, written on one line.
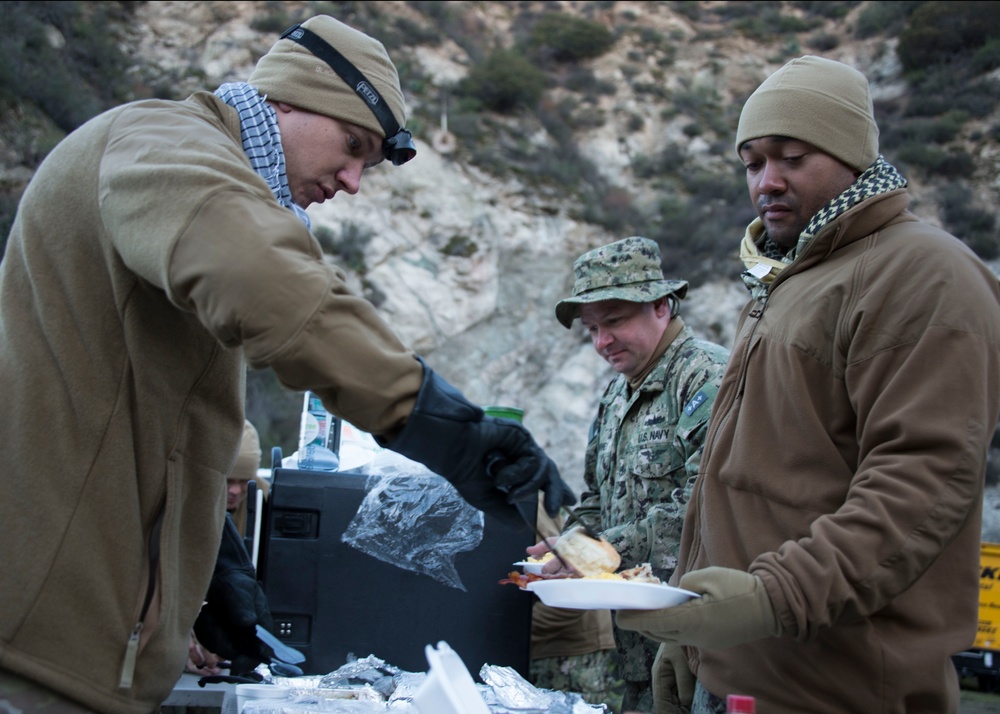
{"points": [[494, 461], [587, 530], [283, 669], [282, 652], [528, 510]]}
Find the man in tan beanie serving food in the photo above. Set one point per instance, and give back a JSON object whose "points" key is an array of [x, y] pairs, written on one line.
{"points": [[834, 528], [161, 249]]}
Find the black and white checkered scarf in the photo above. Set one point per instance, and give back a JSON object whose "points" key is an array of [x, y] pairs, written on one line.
{"points": [[261, 140]]}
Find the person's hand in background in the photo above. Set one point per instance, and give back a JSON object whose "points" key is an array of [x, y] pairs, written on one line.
{"points": [[235, 605], [554, 565], [201, 661]]}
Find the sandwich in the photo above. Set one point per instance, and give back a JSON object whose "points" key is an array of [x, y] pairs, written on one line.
{"points": [[591, 557]]}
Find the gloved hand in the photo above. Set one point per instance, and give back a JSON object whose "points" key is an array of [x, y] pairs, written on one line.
{"points": [[733, 608], [673, 681], [235, 605], [453, 438]]}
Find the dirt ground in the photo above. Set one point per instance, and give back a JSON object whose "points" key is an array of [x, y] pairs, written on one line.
{"points": [[976, 701]]}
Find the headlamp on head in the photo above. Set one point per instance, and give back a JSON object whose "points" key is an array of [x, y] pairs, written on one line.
{"points": [[397, 146]]}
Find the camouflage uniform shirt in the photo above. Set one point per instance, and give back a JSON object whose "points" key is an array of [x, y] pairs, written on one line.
{"points": [[642, 458]]}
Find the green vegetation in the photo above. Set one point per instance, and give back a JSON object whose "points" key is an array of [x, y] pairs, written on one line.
{"points": [[504, 82], [945, 49], [459, 246], [695, 226], [567, 38], [975, 226], [65, 58], [510, 91], [276, 412], [272, 18], [830, 10], [883, 18], [60, 64], [947, 33], [348, 248]]}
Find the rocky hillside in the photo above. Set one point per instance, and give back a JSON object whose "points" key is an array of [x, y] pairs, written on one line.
{"points": [[466, 249]]}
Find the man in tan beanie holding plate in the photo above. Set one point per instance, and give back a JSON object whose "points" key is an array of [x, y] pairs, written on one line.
{"points": [[834, 528], [161, 249]]}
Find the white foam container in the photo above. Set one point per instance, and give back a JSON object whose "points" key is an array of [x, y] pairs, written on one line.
{"points": [[247, 692], [448, 687]]}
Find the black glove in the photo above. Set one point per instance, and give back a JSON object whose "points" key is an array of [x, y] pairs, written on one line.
{"points": [[453, 438], [235, 605]]}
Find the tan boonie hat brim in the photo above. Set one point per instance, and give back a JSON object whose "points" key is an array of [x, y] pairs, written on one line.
{"points": [[628, 270]]}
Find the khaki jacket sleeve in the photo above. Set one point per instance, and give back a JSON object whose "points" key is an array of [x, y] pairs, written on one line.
{"points": [[254, 276]]}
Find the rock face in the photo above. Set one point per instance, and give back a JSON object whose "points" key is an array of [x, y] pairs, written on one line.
{"points": [[487, 322], [468, 268]]}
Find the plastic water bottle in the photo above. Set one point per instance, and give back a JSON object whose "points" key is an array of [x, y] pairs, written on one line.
{"points": [[314, 436]]}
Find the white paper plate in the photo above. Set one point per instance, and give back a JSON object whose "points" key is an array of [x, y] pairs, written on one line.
{"points": [[594, 594]]}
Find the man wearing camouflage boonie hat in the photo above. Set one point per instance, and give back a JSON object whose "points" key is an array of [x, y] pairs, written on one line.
{"points": [[645, 443], [628, 270]]}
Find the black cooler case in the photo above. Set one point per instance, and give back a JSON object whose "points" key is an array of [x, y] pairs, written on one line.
{"points": [[331, 601]]}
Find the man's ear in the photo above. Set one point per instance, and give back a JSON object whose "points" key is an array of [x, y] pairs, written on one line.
{"points": [[661, 306]]}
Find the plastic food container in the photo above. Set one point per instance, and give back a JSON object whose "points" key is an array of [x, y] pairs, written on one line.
{"points": [[448, 688], [247, 692]]}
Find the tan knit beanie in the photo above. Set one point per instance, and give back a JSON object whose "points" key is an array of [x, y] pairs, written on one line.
{"points": [[292, 74], [248, 460], [820, 101]]}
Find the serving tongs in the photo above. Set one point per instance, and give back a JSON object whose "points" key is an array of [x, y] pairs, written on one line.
{"points": [[587, 530], [523, 507], [528, 511]]}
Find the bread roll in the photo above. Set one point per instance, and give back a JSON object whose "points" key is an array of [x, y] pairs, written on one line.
{"points": [[590, 557]]}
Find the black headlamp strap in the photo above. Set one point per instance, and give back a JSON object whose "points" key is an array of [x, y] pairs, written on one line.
{"points": [[347, 72]]}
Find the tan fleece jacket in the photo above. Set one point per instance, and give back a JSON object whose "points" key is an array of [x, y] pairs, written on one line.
{"points": [[147, 265]]}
